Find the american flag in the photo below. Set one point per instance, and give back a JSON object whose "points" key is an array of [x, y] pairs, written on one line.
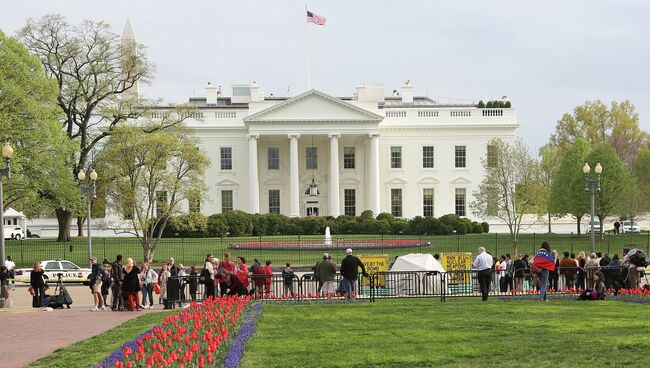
{"points": [[316, 19]]}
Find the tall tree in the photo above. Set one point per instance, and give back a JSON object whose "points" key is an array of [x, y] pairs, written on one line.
{"points": [[550, 157], [94, 73], [510, 187], [641, 171], [567, 189], [617, 125], [29, 121], [613, 180], [150, 175]]}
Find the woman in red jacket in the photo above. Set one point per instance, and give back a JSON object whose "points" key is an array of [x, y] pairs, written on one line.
{"points": [[242, 271]]}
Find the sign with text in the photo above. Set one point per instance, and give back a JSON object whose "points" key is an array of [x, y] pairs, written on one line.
{"points": [[455, 262], [374, 263]]}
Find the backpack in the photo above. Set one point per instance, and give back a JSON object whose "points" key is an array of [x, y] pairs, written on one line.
{"points": [[204, 277], [104, 275], [638, 258], [116, 270]]}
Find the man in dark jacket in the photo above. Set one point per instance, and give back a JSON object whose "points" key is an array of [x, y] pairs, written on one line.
{"points": [[117, 276], [350, 271], [520, 266]]}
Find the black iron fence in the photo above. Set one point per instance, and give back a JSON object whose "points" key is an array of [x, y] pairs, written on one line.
{"points": [[306, 250], [418, 284]]}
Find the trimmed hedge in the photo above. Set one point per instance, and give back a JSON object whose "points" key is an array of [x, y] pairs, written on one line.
{"points": [[239, 223]]}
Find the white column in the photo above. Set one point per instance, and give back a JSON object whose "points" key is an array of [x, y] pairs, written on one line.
{"points": [[253, 180], [334, 176], [294, 190], [373, 174]]}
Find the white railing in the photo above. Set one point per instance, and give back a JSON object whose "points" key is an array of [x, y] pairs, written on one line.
{"points": [[225, 114], [492, 112]]}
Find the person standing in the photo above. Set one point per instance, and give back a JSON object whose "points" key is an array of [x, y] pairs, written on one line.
{"points": [[37, 284], [617, 227], [350, 272], [4, 286], [148, 277], [287, 277], [11, 267], [327, 271], [210, 272], [117, 276], [554, 275], [242, 271], [165, 275], [193, 282], [582, 275], [268, 272], [545, 261], [96, 285], [171, 267], [483, 265], [131, 285], [519, 268], [568, 269]]}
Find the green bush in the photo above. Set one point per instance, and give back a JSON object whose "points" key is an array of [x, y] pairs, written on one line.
{"points": [[386, 216], [366, 215], [485, 226], [461, 229], [507, 105], [217, 225], [239, 223], [481, 104], [489, 104], [477, 228], [188, 225]]}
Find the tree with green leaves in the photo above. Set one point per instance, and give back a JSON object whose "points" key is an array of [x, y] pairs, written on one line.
{"points": [[29, 121], [95, 75], [510, 187], [567, 190], [149, 175], [617, 126], [550, 157], [612, 181], [641, 172]]}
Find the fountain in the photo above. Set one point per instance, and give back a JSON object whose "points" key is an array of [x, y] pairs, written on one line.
{"points": [[328, 237]]}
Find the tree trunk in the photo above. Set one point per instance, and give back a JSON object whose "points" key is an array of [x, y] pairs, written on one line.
{"points": [[514, 246], [549, 223], [64, 218], [578, 225], [80, 226], [148, 252]]}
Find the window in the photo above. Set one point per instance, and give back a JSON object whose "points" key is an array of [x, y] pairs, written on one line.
{"points": [[427, 202], [396, 202], [460, 201], [161, 202], [348, 158], [460, 156], [312, 158], [396, 157], [128, 214], [241, 91], [427, 157], [274, 201], [349, 202], [226, 158], [68, 266], [492, 156], [226, 201], [52, 266], [273, 158]]}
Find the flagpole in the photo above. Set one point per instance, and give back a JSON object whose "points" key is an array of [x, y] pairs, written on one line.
{"points": [[307, 51]]}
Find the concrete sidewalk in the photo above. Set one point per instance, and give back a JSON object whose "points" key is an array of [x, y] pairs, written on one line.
{"points": [[36, 333]]}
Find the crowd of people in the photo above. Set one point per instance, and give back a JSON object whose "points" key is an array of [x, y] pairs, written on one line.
{"points": [[133, 287], [546, 270]]}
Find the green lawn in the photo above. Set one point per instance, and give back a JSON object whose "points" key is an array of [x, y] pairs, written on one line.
{"points": [[91, 351], [193, 251], [459, 333]]}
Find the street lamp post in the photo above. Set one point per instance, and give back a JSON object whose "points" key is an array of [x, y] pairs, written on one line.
{"points": [[592, 186], [7, 152], [89, 190]]}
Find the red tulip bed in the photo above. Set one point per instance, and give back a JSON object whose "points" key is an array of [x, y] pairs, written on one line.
{"points": [[199, 336]]}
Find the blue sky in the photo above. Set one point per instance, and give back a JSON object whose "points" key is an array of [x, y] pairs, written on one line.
{"points": [[547, 57]]}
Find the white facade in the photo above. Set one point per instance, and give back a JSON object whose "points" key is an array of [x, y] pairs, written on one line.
{"points": [[387, 136]]}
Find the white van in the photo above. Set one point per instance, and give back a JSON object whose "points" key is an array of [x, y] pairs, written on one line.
{"points": [[14, 232]]}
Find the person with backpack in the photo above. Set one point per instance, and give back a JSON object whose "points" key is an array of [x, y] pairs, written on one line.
{"points": [[287, 280], [95, 279], [106, 281], [117, 276]]}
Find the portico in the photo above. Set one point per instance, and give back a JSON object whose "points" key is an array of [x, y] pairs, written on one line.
{"points": [[314, 123]]}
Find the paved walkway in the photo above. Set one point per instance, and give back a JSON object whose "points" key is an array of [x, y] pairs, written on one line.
{"points": [[37, 333]]}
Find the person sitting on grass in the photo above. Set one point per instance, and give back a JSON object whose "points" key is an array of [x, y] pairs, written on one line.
{"points": [[599, 292]]}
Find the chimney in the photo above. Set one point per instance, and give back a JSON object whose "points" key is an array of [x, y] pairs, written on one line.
{"points": [[256, 94], [211, 94], [370, 92], [407, 92]]}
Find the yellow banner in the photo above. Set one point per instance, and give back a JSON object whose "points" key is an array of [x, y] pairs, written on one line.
{"points": [[456, 264], [374, 263]]}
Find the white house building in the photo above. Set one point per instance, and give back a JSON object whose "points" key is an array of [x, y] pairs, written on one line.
{"points": [[319, 155]]}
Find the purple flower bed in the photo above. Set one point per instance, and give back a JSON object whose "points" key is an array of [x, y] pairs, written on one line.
{"points": [[236, 352], [118, 354]]}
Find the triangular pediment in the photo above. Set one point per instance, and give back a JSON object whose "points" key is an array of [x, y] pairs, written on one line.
{"points": [[227, 183], [396, 181], [314, 106], [461, 180]]}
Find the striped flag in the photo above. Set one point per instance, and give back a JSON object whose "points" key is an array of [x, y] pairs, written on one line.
{"points": [[316, 19]]}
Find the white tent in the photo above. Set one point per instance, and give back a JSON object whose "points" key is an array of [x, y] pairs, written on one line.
{"points": [[416, 273]]}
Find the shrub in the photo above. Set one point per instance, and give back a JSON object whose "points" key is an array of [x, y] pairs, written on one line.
{"points": [[416, 226], [367, 214], [489, 105], [386, 216], [485, 226], [477, 228], [217, 225], [188, 225], [461, 228], [481, 104], [444, 229], [239, 223], [507, 105]]}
